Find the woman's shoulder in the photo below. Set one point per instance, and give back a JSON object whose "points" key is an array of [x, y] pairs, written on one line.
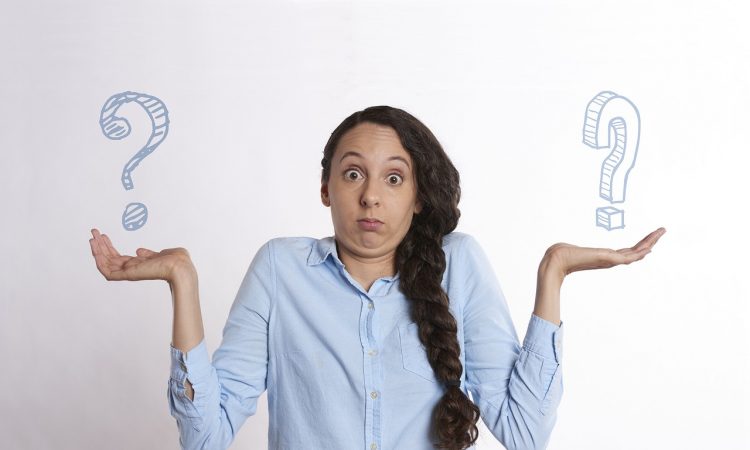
{"points": [[286, 244], [292, 241], [456, 239], [300, 248], [463, 247]]}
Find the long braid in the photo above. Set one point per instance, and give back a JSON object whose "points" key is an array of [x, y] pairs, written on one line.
{"points": [[421, 263]]}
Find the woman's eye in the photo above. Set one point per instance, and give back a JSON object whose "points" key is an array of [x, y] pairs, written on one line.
{"points": [[395, 176], [348, 177]]}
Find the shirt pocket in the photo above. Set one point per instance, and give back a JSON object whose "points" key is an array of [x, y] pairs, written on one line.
{"points": [[413, 353]]}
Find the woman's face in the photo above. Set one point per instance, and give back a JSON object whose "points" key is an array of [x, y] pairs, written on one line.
{"points": [[371, 177]]}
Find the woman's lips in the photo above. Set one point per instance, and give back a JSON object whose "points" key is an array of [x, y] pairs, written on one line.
{"points": [[369, 225]]}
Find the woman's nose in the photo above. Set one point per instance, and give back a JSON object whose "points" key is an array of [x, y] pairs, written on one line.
{"points": [[370, 195]]}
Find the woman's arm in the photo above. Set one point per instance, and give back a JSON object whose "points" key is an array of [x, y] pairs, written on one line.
{"points": [[549, 279], [562, 259], [223, 391], [517, 387], [187, 322]]}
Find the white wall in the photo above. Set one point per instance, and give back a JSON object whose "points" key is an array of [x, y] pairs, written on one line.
{"points": [[655, 352]]}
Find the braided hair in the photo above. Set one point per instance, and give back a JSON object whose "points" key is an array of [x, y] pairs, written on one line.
{"points": [[420, 261]]}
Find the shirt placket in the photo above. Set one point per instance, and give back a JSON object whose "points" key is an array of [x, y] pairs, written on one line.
{"points": [[372, 369], [372, 373]]}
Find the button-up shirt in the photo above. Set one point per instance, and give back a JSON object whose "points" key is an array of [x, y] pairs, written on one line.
{"points": [[344, 366]]}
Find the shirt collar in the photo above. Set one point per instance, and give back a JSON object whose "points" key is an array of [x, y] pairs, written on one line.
{"points": [[327, 246], [321, 249]]}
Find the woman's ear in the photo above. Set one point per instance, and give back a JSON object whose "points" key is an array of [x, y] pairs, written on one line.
{"points": [[324, 194]]}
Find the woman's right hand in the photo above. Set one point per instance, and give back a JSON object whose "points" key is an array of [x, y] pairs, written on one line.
{"points": [[146, 265]]}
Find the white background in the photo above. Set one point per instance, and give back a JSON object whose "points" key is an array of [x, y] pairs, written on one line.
{"points": [[655, 353]]}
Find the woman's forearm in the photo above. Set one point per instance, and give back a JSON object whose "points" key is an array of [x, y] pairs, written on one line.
{"points": [[548, 283], [187, 322]]}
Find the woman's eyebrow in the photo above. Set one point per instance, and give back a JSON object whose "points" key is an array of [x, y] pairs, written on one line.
{"points": [[398, 158]]}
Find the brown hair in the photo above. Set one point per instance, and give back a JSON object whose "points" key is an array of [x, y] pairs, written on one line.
{"points": [[420, 261]]}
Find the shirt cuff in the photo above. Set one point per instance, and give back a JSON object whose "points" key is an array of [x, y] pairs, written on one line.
{"points": [[194, 364], [544, 338]]}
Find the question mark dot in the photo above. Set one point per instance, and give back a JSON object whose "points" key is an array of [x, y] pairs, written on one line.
{"points": [[134, 216]]}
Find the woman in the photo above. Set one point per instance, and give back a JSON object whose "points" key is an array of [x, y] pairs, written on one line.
{"points": [[374, 337]]}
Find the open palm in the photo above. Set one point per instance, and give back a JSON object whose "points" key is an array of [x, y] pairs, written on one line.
{"points": [[572, 258], [147, 265]]}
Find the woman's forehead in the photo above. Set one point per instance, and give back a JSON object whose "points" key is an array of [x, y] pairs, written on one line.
{"points": [[371, 142], [354, 154]]}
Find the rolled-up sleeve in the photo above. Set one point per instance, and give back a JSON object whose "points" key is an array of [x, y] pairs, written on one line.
{"points": [[517, 388], [196, 367], [544, 341], [226, 390]]}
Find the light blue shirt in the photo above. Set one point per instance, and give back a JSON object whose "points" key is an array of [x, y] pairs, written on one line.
{"points": [[344, 366]]}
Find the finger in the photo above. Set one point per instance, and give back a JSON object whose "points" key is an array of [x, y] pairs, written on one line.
{"points": [[646, 241], [97, 248], [94, 243], [659, 233], [650, 239], [132, 260], [110, 247], [627, 255], [102, 261], [639, 256], [144, 252], [97, 253], [636, 252], [101, 242]]}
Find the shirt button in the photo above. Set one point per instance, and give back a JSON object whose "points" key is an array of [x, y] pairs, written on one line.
{"points": [[370, 306], [372, 352], [373, 394], [373, 446]]}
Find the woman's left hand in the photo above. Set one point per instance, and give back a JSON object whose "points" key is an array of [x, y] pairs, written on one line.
{"points": [[569, 258]]}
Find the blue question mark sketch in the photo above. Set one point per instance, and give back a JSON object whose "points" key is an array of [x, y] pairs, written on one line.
{"points": [[116, 128], [612, 121]]}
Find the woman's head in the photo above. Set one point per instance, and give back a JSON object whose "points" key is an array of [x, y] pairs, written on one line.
{"points": [[417, 200], [430, 191], [371, 177]]}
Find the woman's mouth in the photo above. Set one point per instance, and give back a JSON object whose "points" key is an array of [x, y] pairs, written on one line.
{"points": [[369, 224]]}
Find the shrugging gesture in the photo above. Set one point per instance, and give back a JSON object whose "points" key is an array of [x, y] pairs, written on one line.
{"points": [[571, 258], [562, 259]]}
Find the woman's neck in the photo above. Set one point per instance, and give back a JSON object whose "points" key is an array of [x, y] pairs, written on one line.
{"points": [[367, 270]]}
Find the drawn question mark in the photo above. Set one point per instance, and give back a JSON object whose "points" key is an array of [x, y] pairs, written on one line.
{"points": [[116, 128], [612, 121]]}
